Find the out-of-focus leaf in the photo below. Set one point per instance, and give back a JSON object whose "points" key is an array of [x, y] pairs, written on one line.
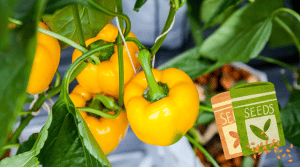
{"points": [[92, 21], [243, 35], [15, 66], [205, 118], [5, 11], [138, 4], [290, 118], [248, 162], [213, 12], [279, 36], [189, 62]]}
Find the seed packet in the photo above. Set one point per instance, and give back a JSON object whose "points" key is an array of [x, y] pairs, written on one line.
{"points": [[226, 124], [257, 117]]}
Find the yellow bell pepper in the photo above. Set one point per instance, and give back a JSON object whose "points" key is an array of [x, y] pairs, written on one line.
{"points": [[45, 63], [165, 121], [104, 78], [107, 132]]}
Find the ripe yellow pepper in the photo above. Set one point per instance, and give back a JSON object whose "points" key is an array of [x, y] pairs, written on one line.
{"points": [[107, 132], [104, 78], [45, 63], [165, 121]]}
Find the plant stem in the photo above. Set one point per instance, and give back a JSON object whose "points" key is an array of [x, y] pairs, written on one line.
{"points": [[62, 38], [78, 25], [208, 156], [136, 41], [112, 13], [23, 124], [168, 23], [280, 63], [120, 56], [155, 92], [15, 21], [195, 134], [289, 31], [100, 113], [9, 146], [201, 107], [57, 80], [286, 82]]}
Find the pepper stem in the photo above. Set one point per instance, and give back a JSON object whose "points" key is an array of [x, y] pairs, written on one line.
{"points": [[156, 91]]}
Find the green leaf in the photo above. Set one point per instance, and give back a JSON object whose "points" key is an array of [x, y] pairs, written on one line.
{"points": [[279, 36], [214, 12], [189, 62], [5, 11], [248, 162], [243, 35], [267, 125], [138, 4], [16, 62], [92, 21], [258, 132], [29, 159], [70, 142], [27, 145], [205, 118], [290, 118]]}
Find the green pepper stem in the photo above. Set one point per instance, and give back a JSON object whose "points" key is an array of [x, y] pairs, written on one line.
{"points": [[78, 25], [9, 146], [136, 41], [112, 13], [57, 80], [208, 156], [100, 113], [168, 23], [108, 102], [154, 91]]}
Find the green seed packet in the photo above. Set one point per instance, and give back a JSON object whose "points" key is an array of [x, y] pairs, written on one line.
{"points": [[257, 117]]}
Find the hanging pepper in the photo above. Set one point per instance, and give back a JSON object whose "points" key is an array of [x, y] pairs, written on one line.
{"points": [[107, 132], [45, 62], [104, 78], [161, 106]]}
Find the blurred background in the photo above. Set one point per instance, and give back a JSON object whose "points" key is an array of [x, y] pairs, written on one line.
{"points": [[147, 25]]}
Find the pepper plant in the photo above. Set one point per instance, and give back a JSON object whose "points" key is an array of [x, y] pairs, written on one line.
{"points": [[245, 29]]}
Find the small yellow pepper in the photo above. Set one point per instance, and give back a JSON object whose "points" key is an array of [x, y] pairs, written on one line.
{"points": [[104, 78], [107, 132], [45, 63]]}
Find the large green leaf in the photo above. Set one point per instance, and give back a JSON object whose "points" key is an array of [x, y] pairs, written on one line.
{"points": [[290, 118], [189, 62], [243, 35], [214, 12], [279, 36], [92, 21], [15, 66], [5, 11], [70, 142]]}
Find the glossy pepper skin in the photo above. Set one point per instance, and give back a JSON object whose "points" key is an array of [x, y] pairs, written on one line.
{"points": [[107, 132], [165, 121], [104, 78], [45, 63]]}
